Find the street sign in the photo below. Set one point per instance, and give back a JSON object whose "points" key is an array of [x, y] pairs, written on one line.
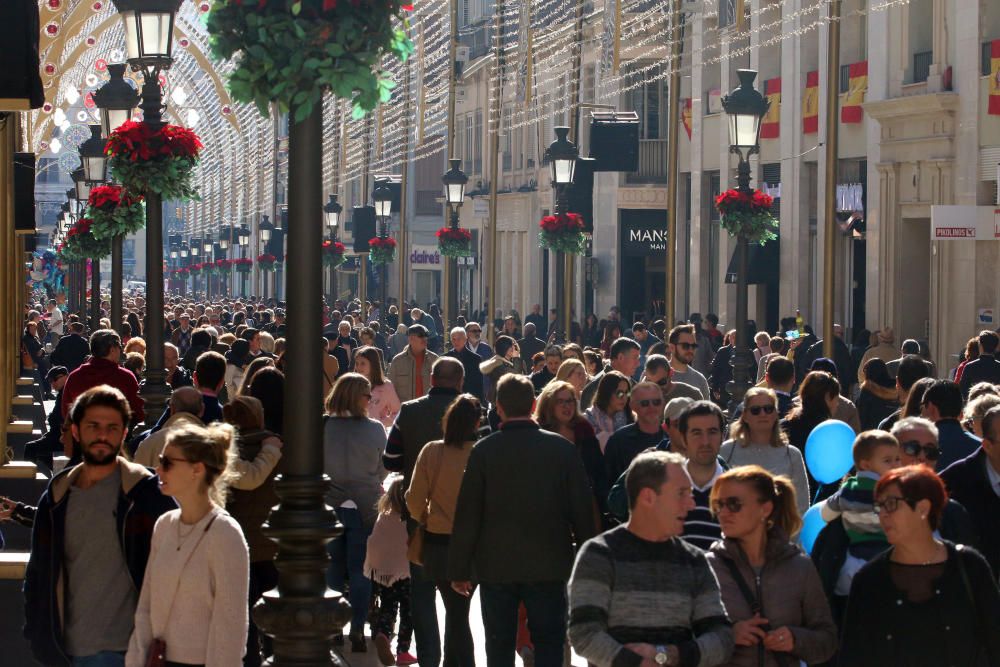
{"points": [[965, 223]]}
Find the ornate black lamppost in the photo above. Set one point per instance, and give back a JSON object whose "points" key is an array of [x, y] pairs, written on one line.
{"points": [[454, 190], [225, 238], [264, 230], [562, 154], [243, 238], [149, 27], [194, 249], [382, 196], [331, 212], [745, 107]]}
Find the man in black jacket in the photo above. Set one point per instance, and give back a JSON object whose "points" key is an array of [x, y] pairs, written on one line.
{"points": [[530, 344], [975, 483], [524, 503], [470, 362], [419, 422], [40, 451], [91, 541], [942, 404], [986, 368], [72, 349]]}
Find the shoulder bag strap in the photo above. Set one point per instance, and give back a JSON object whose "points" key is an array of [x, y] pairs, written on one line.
{"points": [[430, 489], [187, 560], [755, 607]]}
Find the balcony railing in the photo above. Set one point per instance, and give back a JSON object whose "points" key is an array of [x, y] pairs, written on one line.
{"points": [[652, 163]]}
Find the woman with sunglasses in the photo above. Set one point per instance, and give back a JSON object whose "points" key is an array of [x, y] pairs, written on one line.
{"points": [[757, 439], [610, 409], [924, 601], [558, 410], [353, 445], [769, 586], [194, 594]]}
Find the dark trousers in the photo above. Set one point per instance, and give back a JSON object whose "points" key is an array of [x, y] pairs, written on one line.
{"points": [[40, 451], [423, 611], [347, 554], [393, 600], [263, 577], [459, 651], [547, 608]]}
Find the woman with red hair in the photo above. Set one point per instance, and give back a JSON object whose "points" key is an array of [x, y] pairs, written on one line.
{"points": [[924, 601]]}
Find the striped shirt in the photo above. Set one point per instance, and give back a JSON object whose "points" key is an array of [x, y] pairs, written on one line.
{"points": [[625, 589], [700, 526]]}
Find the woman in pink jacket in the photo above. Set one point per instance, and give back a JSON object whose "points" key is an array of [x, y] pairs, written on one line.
{"points": [[384, 405]]}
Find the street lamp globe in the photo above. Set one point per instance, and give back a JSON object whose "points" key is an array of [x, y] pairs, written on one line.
{"points": [[331, 211], [382, 196], [195, 247], [454, 183], [746, 107], [95, 162], [173, 252], [206, 245], [81, 185], [149, 27], [184, 250], [243, 235], [115, 99], [224, 235], [562, 154], [264, 228]]}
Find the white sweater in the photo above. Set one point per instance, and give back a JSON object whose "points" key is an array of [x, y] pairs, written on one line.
{"points": [[207, 623]]}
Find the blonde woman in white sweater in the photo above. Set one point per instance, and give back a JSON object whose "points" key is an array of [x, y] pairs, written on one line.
{"points": [[196, 585]]}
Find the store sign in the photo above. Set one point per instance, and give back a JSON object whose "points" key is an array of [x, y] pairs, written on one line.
{"points": [[642, 238], [426, 257], [965, 223]]}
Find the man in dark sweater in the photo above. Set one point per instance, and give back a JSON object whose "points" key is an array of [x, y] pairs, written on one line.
{"points": [[470, 362], [975, 483], [524, 503], [72, 349], [667, 608], [942, 404], [986, 368], [626, 443]]}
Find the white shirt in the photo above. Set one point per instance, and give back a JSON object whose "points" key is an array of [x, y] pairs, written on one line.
{"points": [[994, 477], [56, 321]]}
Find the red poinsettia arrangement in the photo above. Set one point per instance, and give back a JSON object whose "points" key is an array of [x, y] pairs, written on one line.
{"points": [[223, 266], [563, 232], [243, 266], [453, 241], [333, 253], [747, 213], [145, 158], [381, 250], [267, 262], [114, 211]]}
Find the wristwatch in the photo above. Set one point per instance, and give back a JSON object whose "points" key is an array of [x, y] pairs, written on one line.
{"points": [[661, 656]]}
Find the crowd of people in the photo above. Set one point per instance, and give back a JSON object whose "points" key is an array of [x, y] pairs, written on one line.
{"points": [[604, 492]]}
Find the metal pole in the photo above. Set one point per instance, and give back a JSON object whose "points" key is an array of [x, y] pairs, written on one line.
{"points": [[95, 295], [830, 198], [451, 266], [403, 201], [742, 361], [673, 121], [116, 283], [495, 169], [568, 260], [302, 614], [449, 284]]}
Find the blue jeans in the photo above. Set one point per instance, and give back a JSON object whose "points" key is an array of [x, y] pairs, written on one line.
{"points": [[423, 611], [102, 659], [547, 608], [347, 556]]}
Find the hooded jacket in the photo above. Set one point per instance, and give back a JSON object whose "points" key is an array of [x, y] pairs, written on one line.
{"points": [[140, 504], [790, 594]]}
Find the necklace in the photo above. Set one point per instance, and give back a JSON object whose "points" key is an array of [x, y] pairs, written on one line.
{"points": [[182, 537]]}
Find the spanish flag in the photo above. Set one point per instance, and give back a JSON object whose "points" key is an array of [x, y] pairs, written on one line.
{"points": [[810, 104], [994, 108], [770, 126], [686, 116], [850, 110]]}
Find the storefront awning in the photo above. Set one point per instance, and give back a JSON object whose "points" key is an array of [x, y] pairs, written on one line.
{"points": [[763, 261]]}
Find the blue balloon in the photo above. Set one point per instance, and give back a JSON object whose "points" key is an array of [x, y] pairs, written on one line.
{"points": [[828, 451], [812, 524]]}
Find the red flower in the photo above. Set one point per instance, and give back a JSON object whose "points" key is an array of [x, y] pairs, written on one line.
{"points": [[562, 224], [458, 234], [385, 243]]}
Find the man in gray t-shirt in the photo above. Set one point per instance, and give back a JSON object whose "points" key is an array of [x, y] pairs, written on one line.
{"points": [[96, 571], [682, 349]]}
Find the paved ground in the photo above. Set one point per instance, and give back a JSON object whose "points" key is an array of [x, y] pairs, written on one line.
{"points": [[370, 659]]}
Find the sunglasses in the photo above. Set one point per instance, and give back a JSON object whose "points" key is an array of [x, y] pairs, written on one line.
{"points": [[890, 504], [913, 448], [663, 382], [646, 402], [167, 462], [757, 409], [622, 394], [688, 346], [733, 504]]}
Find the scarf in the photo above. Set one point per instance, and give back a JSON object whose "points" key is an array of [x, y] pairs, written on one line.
{"points": [[386, 561]]}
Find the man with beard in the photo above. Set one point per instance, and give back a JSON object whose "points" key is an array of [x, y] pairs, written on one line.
{"points": [[90, 542], [682, 345]]}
